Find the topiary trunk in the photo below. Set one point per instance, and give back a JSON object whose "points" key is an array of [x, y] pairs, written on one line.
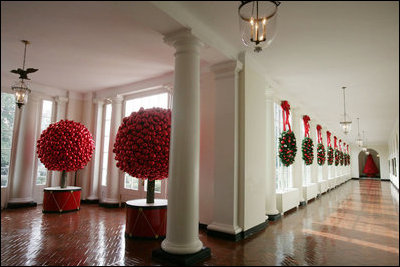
{"points": [[150, 192], [63, 183]]}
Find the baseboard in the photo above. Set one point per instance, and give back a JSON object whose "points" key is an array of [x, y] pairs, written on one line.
{"points": [[89, 201], [226, 236], [203, 226], [109, 205], [21, 205], [302, 203], [254, 230]]}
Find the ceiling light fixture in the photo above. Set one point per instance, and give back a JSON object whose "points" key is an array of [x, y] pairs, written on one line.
{"points": [[20, 87], [359, 141], [257, 21], [365, 149], [346, 125]]}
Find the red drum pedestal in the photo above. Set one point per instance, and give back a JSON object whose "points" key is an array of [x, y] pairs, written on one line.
{"points": [[146, 220], [58, 200]]}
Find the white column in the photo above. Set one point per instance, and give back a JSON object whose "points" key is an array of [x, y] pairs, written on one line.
{"points": [[85, 173], [183, 182], [21, 184], [270, 197], [96, 168], [298, 163], [113, 173], [325, 143], [225, 217], [314, 165], [60, 115]]}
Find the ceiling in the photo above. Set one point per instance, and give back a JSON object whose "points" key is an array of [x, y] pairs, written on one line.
{"points": [[320, 46]]}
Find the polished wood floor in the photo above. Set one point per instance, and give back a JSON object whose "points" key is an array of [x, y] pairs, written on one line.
{"points": [[354, 224]]}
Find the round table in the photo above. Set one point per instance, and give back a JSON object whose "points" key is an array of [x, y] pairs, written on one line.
{"points": [[58, 200], [146, 220]]}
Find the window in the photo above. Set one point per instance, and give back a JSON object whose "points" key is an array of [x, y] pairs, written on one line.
{"points": [[106, 141], [7, 126], [45, 120], [283, 174], [133, 105]]}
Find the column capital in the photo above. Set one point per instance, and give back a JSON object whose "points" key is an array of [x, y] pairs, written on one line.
{"points": [[229, 67], [182, 40], [98, 101], [117, 99], [269, 93], [61, 99]]}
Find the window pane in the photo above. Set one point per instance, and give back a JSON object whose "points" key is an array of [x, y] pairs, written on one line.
{"points": [[133, 105], [107, 122], [131, 182], [41, 176], [7, 125], [157, 186]]}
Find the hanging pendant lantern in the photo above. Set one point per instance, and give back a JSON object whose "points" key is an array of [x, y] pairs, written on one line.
{"points": [[359, 141], [20, 87], [257, 21], [345, 124]]}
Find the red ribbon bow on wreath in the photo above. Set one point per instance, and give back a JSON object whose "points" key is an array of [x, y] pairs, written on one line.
{"points": [[340, 146], [319, 128], [334, 142], [347, 149], [306, 119], [285, 114], [328, 138]]}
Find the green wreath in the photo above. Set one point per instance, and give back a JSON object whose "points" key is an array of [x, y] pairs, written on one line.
{"points": [[321, 154], [348, 159], [307, 147], [341, 158], [330, 155], [344, 158], [337, 156], [287, 148]]}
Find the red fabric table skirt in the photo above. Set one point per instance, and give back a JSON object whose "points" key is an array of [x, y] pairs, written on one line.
{"points": [[146, 220], [60, 200]]}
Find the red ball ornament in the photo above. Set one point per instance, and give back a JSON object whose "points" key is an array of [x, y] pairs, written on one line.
{"points": [[147, 155], [65, 146]]}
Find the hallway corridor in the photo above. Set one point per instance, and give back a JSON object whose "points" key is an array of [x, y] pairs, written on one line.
{"points": [[355, 224]]}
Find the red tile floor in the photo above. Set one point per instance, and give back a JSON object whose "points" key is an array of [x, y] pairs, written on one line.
{"points": [[354, 224]]}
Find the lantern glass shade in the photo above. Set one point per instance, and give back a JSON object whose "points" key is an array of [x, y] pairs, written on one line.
{"points": [[359, 142], [257, 22], [346, 126], [21, 91]]}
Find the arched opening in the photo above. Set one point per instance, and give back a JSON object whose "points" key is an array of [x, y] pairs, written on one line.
{"points": [[362, 160]]}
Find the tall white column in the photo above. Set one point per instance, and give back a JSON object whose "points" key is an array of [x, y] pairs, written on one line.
{"points": [[298, 163], [60, 115], [94, 180], [324, 142], [314, 165], [21, 184], [183, 182], [225, 217], [85, 173], [113, 173], [270, 198]]}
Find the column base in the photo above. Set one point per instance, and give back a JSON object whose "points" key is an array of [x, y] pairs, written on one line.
{"points": [[21, 205], [184, 259], [274, 217]]}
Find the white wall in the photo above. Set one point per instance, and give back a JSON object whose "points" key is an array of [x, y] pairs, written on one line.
{"points": [[206, 175], [252, 152]]}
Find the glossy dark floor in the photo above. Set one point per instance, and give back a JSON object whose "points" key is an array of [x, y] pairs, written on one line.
{"points": [[354, 224]]}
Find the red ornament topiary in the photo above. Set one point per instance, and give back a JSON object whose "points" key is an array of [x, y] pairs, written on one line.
{"points": [[65, 146], [142, 145]]}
